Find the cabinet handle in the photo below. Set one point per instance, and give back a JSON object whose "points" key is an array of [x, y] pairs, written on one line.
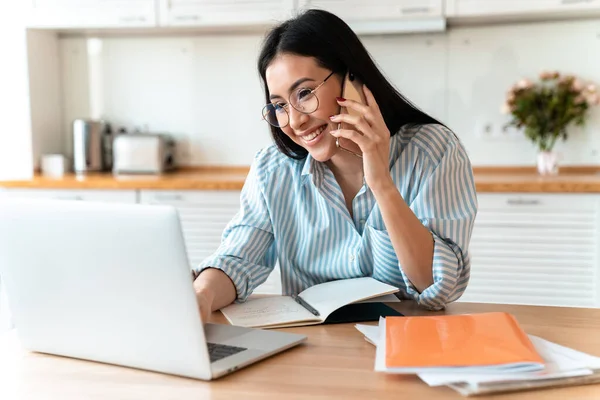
{"points": [[415, 10], [522, 202], [68, 198], [569, 2], [132, 19], [168, 197], [187, 18]]}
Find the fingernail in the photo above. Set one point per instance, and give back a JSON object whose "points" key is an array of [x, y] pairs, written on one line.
{"points": [[332, 117], [340, 99]]}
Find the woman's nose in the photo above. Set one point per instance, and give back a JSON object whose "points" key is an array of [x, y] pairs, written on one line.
{"points": [[297, 119]]}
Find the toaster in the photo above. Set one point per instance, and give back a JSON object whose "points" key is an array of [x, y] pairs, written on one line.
{"points": [[143, 153]]}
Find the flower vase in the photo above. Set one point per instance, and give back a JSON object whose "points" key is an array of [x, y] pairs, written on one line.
{"points": [[547, 163]]}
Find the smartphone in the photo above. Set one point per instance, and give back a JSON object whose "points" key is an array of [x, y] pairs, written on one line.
{"points": [[352, 89]]}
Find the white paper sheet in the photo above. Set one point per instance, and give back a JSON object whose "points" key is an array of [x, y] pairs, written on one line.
{"points": [[371, 332], [386, 298], [560, 361]]}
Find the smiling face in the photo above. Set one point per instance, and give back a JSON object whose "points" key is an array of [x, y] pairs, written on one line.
{"points": [[286, 73]]}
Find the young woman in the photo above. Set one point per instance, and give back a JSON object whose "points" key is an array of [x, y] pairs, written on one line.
{"points": [[389, 195]]}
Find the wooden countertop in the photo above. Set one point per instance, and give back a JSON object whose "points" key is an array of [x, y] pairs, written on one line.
{"points": [[584, 179], [335, 362], [202, 178]]}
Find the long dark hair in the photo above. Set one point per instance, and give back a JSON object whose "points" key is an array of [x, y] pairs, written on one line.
{"points": [[332, 43]]}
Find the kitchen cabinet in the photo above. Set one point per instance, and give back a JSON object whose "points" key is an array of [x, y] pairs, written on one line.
{"points": [[5, 317], [91, 13], [111, 196], [356, 10], [204, 214], [540, 249], [474, 8], [385, 16], [223, 12]]}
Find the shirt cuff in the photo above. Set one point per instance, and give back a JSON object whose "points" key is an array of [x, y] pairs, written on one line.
{"points": [[446, 273], [235, 269]]}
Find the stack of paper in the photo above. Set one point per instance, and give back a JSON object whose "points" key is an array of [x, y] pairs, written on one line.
{"points": [[561, 366], [486, 342]]}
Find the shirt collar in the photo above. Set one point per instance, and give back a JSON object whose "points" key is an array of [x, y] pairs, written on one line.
{"points": [[312, 168], [315, 168]]}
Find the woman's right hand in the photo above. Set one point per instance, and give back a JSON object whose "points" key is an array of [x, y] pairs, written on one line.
{"points": [[204, 305], [214, 290]]}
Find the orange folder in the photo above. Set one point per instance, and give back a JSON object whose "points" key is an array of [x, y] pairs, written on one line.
{"points": [[486, 340]]}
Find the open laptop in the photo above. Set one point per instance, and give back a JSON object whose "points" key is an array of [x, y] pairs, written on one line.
{"points": [[112, 283]]}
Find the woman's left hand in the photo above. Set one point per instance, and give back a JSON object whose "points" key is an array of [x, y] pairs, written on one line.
{"points": [[371, 135]]}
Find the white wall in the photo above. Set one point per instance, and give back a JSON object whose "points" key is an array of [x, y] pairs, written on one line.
{"points": [[206, 91], [15, 130]]}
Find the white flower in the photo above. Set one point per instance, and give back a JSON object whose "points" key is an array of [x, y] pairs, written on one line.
{"points": [[591, 88], [593, 99], [524, 84], [577, 85]]}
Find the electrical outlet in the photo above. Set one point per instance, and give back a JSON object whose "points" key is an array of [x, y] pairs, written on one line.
{"points": [[511, 132], [485, 130]]}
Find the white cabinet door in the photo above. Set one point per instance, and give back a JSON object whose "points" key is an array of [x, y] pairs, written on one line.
{"points": [[465, 8], [204, 215], [223, 12], [360, 10], [112, 196], [384, 16], [5, 315], [92, 13], [536, 249]]}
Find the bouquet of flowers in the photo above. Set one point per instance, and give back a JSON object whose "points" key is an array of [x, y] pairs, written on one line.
{"points": [[546, 108]]}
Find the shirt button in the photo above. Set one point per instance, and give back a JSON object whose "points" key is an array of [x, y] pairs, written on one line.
{"points": [[362, 221], [352, 257]]}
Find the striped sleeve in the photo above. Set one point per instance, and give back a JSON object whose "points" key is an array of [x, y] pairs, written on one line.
{"points": [[447, 205], [244, 251]]}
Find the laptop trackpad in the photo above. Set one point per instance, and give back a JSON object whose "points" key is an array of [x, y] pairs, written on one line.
{"points": [[257, 339], [221, 333]]}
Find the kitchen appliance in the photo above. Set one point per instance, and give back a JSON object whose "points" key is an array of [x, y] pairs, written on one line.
{"points": [[92, 146], [143, 153]]}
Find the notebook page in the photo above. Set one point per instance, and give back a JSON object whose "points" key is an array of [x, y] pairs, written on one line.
{"points": [[267, 311], [329, 296]]}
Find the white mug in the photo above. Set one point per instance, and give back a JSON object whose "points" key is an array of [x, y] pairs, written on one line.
{"points": [[54, 165]]}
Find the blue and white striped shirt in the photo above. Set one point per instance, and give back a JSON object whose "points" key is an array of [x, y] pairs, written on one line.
{"points": [[293, 211]]}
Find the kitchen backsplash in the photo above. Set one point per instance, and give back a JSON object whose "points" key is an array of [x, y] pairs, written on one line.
{"points": [[205, 90]]}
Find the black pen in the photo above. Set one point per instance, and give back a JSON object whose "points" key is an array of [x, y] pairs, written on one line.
{"points": [[304, 304]]}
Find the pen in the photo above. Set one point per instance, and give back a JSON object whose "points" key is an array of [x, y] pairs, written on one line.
{"points": [[304, 304]]}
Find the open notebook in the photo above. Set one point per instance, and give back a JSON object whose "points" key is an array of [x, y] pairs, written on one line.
{"points": [[486, 343], [310, 307]]}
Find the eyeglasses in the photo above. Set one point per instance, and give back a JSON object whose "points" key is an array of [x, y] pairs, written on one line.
{"points": [[302, 99]]}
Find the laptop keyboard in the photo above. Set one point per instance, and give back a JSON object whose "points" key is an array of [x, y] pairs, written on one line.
{"points": [[218, 351]]}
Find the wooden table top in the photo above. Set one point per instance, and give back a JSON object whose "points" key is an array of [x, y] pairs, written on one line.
{"points": [[487, 180], [335, 362]]}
